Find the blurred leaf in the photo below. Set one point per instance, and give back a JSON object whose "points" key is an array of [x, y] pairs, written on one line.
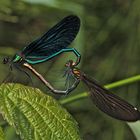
{"points": [[65, 5], [1, 134], [35, 115], [135, 127]]}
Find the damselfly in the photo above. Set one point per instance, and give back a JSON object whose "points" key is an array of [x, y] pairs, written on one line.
{"points": [[51, 44], [106, 101]]}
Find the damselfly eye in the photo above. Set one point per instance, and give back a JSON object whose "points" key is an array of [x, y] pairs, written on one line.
{"points": [[6, 60]]}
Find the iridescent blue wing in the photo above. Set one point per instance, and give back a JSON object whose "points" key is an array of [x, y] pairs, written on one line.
{"points": [[52, 42]]}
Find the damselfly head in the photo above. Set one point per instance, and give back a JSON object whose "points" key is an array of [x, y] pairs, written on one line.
{"points": [[6, 60]]}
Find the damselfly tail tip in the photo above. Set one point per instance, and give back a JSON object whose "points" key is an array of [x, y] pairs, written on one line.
{"points": [[69, 63]]}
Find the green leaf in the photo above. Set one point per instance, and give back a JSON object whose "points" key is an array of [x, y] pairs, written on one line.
{"points": [[36, 116], [135, 127], [1, 134]]}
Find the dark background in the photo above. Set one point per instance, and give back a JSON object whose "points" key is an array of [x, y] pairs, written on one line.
{"points": [[109, 42]]}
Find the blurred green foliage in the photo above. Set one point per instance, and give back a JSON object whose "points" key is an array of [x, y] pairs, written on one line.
{"points": [[109, 42]]}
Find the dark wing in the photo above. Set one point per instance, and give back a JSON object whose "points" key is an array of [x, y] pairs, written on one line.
{"points": [[56, 39], [111, 104]]}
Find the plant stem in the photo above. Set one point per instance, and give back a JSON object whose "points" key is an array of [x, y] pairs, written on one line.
{"points": [[108, 86]]}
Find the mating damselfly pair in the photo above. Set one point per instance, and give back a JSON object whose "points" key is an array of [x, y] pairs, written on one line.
{"points": [[55, 42]]}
